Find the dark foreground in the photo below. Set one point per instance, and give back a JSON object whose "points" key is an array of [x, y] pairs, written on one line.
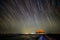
{"points": [[26, 37]]}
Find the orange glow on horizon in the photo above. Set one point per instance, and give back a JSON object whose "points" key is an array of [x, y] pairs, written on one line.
{"points": [[40, 31]]}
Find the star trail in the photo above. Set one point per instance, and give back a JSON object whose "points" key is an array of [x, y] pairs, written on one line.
{"points": [[22, 16]]}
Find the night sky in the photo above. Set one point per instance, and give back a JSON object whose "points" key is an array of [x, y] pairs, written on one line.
{"points": [[27, 16]]}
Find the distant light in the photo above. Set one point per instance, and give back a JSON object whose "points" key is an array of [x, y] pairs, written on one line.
{"points": [[26, 33], [32, 33]]}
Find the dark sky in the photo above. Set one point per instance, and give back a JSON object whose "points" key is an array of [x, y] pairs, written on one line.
{"points": [[27, 16]]}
